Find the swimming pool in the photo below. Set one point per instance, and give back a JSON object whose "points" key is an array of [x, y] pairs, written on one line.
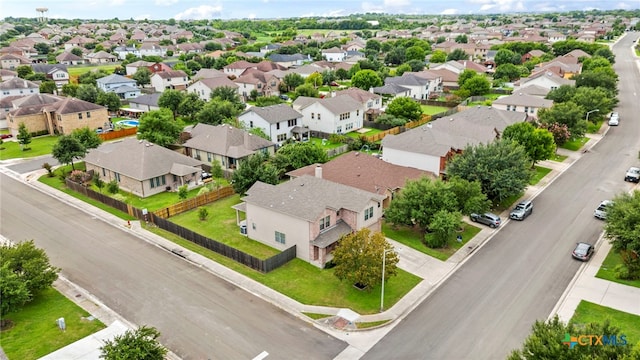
{"points": [[129, 122]]}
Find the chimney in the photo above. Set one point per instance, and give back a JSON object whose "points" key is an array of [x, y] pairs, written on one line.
{"points": [[319, 171]]}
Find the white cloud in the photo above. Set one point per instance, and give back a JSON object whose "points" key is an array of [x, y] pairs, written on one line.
{"points": [[500, 5], [165, 2], [449, 12], [200, 12], [623, 5], [396, 3], [143, 17], [371, 7]]}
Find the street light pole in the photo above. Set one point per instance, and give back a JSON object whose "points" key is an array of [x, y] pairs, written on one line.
{"points": [[589, 112], [384, 258]]}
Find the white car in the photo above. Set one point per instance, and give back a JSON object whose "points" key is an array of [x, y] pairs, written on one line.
{"points": [[601, 210], [614, 119]]}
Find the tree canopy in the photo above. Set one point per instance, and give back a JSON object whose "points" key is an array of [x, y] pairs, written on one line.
{"points": [[501, 167], [358, 258], [252, 169], [67, 149], [158, 127], [538, 143], [404, 107], [171, 99], [366, 79], [297, 155], [622, 230], [566, 113], [138, 344], [142, 76], [88, 138]]}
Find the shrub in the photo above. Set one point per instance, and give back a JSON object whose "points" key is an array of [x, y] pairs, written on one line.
{"points": [[204, 190], [183, 192], [203, 213], [77, 175], [113, 187], [49, 169]]}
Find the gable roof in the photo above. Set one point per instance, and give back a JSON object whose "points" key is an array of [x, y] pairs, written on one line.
{"points": [[358, 94], [335, 105], [275, 113], [147, 99], [307, 197], [115, 79], [68, 56], [205, 73], [144, 160], [407, 79], [169, 74], [363, 171], [216, 82], [521, 99], [225, 140], [18, 83], [390, 89], [72, 105], [470, 127]]}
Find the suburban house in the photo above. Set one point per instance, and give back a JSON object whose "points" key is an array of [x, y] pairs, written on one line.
{"points": [[174, 79], [123, 51], [134, 66], [392, 91], [309, 212], [60, 117], [371, 102], [265, 84], [419, 86], [101, 57], [528, 104], [205, 86], [11, 62], [143, 168], [124, 87], [534, 90], [332, 115], [55, 72], [7, 74], [151, 49], [68, 58], [236, 68], [365, 172], [18, 86], [334, 54], [205, 73], [278, 121], [545, 79], [288, 61], [146, 102], [430, 146], [224, 143]]}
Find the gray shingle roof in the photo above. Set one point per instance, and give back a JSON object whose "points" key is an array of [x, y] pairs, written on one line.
{"points": [[307, 197], [149, 99], [390, 89], [335, 105], [275, 113], [141, 160], [18, 83], [521, 99], [225, 140], [115, 79], [407, 80], [470, 127]]}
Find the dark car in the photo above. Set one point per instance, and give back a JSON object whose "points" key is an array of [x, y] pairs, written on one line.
{"points": [[583, 251], [489, 219], [522, 210], [5, 136], [284, 97]]}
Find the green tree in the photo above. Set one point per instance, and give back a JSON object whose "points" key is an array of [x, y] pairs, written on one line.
{"points": [[88, 93], [391, 120], [216, 112], [171, 99], [457, 54], [139, 344], [507, 71], [307, 90], [501, 168], [297, 155], [506, 56], [477, 85], [546, 342], [252, 169], [48, 87], [216, 169], [88, 138], [158, 127], [567, 113], [183, 192], [560, 132], [443, 227], [469, 196], [293, 80], [24, 137], [110, 100], [229, 94], [562, 94], [622, 230], [24, 71], [77, 51], [263, 101], [359, 256], [259, 132], [416, 65], [68, 149], [594, 99], [190, 105], [462, 39], [538, 143], [314, 80], [13, 291], [606, 53], [70, 89], [438, 57], [598, 78], [142, 76], [415, 53], [366, 79], [404, 107], [465, 75], [403, 69]]}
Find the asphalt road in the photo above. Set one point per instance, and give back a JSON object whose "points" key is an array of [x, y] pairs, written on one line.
{"points": [[199, 315], [487, 307]]}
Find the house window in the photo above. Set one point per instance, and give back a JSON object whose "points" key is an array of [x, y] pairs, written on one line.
{"points": [[325, 222], [88, 114], [280, 238], [293, 122], [251, 124], [157, 181], [104, 172], [339, 129], [508, 107], [368, 213], [117, 176], [277, 126], [514, 108], [80, 116], [282, 137], [357, 112], [348, 126], [318, 116], [526, 109], [313, 116]]}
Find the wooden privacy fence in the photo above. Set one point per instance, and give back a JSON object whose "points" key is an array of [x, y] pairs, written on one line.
{"points": [[115, 134], [262, 265], [195, 202]]}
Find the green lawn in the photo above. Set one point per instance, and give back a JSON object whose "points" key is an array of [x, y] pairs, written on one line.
{"points": [[559, 158], [221, 226], [310, 285], [606, 270], [576, 144], [328, 144], [629, 324], [431, 110], [39, 146], [81, 69], [414, 239], [35, 332], [539, 173], [357, 135]]}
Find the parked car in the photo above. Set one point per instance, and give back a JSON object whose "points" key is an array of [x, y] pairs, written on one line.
{"points": [[284, 97], [5, 136], [205, 175], [583, 251], [489, 219], [601, 210], [614, 119], [633, 175], [522, 210]]}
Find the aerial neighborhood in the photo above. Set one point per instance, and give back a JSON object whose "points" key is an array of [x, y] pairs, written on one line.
{"points": [[282, 143]]}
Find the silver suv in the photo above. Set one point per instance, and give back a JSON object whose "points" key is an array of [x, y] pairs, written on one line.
{"points": [[522, 210], [633, 175], [601, 210], [489, 219]]}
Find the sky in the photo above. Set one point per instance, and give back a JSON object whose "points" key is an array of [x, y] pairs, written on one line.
{"points": [[269, 9]]}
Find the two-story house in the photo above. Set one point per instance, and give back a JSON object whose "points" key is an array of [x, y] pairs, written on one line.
{"points": [[419, 86], [124, 87], [205, 86], [333, 115], [174, 79], [68, 58], [334, 54], [371, 101], [311, 213], [56, 72], [17, 86], [528, 104], [277, 121], [265, 84]]}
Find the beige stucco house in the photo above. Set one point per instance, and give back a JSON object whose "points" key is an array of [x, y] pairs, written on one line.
{"points": [[309, 212]]}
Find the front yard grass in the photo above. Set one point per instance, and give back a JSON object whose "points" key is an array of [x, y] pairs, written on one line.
{"points": [[606, 271], [588, 312], [35, 332], [310, 285], [558, 158], [414, 238], [539, 173], [576, 144], [328, 145], [39, 146]]}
